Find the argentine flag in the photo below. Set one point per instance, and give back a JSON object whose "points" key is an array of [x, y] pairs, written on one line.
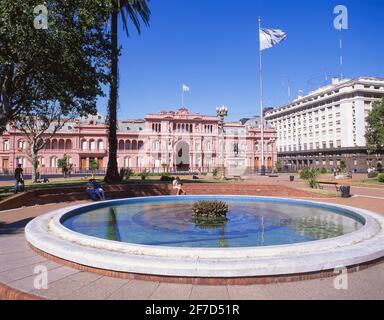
{"points": [[271, 37]]}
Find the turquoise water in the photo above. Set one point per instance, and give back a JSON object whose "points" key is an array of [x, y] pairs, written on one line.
{"points": [[251, 223]]}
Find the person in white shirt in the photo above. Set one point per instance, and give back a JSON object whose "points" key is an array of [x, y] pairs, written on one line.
{"points": [[177, 185]]}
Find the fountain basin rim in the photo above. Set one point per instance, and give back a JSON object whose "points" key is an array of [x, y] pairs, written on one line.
{"points": [[46, 233]]}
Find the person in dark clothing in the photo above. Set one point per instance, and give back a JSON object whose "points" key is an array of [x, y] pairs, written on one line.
{"points": [[98, 189], [19, 179], [90, 189]]}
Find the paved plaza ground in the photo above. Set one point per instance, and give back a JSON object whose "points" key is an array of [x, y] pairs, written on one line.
{"points": [[18, 260]]}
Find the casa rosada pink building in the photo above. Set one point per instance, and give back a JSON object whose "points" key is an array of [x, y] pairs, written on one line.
{"points": [[177, 141]]}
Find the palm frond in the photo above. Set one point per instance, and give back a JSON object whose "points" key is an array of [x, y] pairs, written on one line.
{"points": [[136, 11]]}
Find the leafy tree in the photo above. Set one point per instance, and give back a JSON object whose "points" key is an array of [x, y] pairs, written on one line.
{"points": [[343, 165], [375, 128], [93, 166], [38, 125], [64, 165], [279, 165], [134, 11], [66, 62]]}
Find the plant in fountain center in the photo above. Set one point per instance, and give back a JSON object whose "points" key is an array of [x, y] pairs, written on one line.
{"points": [[210, 214], [210, 209]]}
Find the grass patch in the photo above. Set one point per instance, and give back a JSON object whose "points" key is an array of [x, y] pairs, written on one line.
{"points": [[57, 183], [367, 182], [327, 193]]}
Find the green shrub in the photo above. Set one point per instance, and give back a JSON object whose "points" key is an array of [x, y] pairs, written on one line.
{"points": [[125, 174], [148, 174], [310, 175], [343, 165], [324, 171], [144, 175], [166, 178], [279, 166], [215, 173], [381, 178], [373, 175]]}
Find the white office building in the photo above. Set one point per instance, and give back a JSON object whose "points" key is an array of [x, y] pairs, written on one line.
{"points": [[328, 125]]}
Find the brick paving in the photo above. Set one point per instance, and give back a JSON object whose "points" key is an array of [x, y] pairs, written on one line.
{"points": [[18, 262]]}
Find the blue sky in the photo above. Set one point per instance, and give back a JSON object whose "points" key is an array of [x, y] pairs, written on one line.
{"points": [[213, 47]]}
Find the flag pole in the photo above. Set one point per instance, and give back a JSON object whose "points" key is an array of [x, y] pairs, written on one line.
{"points": [[182, 96], [341, 51], [262, 172]]}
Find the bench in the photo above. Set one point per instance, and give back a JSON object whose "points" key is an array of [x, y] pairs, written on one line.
{"points": [[336, 184]]}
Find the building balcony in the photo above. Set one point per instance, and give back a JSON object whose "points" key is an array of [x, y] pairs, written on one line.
{"points": [[93, 152]]}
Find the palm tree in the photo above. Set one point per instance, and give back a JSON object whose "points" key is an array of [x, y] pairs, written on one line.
{"points": [[130, 10]]}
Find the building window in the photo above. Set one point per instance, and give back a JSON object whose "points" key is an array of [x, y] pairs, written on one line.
{"points": [[84, 145], [155, 146], [54, 162], [41, 162], [92, 145], [6, 145], [21, 160], [100, 145], [22, 145]]}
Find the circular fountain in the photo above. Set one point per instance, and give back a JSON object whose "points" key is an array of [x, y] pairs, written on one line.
{"points": [[261, 237]]}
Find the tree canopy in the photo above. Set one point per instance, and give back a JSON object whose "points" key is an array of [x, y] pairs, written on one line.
{"points": [[375, 128], [65, 63]]}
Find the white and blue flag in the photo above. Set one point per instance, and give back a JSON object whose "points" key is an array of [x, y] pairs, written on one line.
{"points": [[271, 37]]}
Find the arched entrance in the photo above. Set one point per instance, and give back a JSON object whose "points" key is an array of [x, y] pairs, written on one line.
{"points": [[182, 156]]}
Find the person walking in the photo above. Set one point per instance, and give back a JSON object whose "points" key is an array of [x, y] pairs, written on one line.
{"points": [[19, 179]]}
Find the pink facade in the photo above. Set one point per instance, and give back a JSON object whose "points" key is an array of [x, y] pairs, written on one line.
{"points": [[169, 140]]}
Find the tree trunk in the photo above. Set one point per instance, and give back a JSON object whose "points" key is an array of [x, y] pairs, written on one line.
{"points": [[112, 174], [6, 113], [35, 163]]}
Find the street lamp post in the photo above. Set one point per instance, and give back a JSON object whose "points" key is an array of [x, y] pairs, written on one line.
{"points": [[273, 140], [222, 112]]}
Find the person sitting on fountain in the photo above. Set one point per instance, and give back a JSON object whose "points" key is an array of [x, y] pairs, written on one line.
{"points": [[98, 190], [177, 185], [91, 190]]}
